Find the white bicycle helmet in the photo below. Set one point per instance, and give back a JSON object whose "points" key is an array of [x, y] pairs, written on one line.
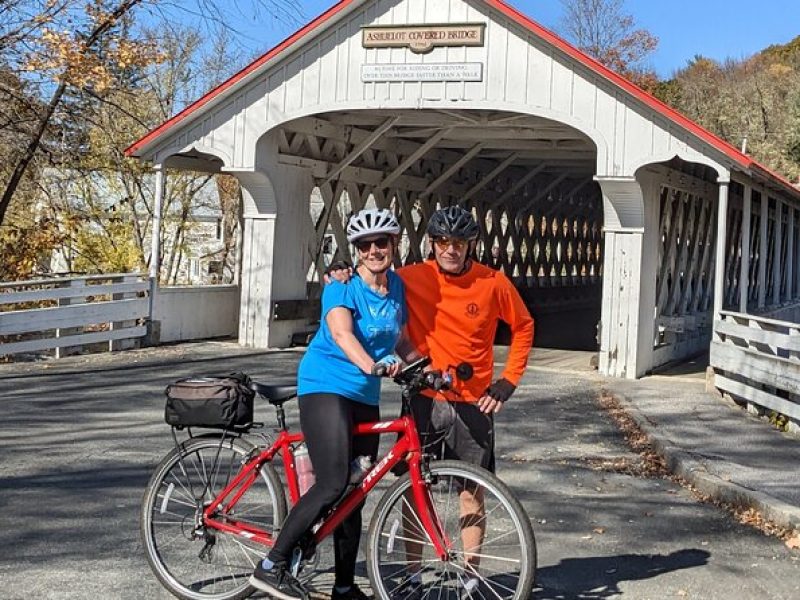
{"points": [[371, 221]]}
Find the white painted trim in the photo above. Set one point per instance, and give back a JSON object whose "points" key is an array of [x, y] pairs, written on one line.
{"points": [[722, 235]]}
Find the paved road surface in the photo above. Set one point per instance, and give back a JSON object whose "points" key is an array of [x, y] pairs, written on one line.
{"points": [[79, 440]]}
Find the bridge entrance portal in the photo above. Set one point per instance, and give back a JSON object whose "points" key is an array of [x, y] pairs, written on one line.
{"points": [[527, 180]]}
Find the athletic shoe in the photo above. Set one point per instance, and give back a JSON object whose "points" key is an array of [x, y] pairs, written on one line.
{"points": [[278, 583]]}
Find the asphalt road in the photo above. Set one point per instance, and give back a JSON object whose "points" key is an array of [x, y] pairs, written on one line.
{"points": [[79, 440]]}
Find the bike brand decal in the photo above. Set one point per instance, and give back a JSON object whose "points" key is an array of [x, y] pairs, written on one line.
{"points": [[376, 469], [383, 425]]}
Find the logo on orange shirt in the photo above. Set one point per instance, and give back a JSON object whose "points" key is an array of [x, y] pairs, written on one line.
{"points": [[473, 310]]}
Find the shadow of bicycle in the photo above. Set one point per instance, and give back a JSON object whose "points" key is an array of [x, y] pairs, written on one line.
{"points": [[599, 577]]}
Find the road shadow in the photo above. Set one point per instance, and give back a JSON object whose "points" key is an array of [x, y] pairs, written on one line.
{"points": [[599, 576]]}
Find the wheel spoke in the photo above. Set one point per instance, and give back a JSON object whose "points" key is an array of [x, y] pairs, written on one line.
{"points": [[493, 549], [213, 565]]}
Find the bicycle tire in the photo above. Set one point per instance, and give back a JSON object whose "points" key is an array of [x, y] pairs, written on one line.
{"points": [[169, 512], [496, 576]]}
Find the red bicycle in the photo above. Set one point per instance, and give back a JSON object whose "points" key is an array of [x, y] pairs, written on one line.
{"points": [[216, 502]]}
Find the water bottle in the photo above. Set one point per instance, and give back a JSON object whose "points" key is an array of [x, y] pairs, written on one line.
{"points": [[358, 468], [304, 469]]}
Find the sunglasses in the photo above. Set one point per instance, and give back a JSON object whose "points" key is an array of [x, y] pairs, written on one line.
{"points": [[444, 243], [381, 243]]}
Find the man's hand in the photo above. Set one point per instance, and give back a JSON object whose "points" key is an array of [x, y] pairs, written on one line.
{"points": [[495, 396], [339, 271]]}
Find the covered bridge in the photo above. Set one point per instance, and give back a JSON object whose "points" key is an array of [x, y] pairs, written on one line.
{"points": [[600, 202]]}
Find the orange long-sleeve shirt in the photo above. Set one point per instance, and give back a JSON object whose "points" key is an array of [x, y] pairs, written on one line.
{"points": [[453, 319]]}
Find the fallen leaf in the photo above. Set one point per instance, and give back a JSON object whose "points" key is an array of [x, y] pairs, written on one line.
{"points": [[600, 530], [793, 543], [586, 537], [683, 593]]}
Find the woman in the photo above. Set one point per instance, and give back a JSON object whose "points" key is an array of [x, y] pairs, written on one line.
{"points": [[361, 325]]}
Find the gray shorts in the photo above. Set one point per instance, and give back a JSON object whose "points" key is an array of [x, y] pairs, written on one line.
{"points": [[455, 430]]}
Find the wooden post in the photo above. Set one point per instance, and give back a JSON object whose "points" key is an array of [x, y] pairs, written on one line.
{"points": [[762, 252], [777, 271], [126, 343], [789, 254], [744, 266], [719, 267], [155, 244], [63, 351]]}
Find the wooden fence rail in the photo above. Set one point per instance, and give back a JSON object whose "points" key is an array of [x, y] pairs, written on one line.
{"points": [[758, 360], [68, 314]]}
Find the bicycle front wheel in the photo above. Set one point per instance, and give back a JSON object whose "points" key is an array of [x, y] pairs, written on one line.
{"points": [[190, 561], [492, 551]]}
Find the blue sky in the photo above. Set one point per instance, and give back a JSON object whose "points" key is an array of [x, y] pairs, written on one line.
{"points": [[716, 29]]}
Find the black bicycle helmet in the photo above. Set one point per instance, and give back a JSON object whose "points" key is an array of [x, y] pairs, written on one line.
{"points": [[453, 222]]}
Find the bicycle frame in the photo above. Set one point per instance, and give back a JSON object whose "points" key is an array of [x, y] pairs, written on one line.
{"points": [[407, 448]]}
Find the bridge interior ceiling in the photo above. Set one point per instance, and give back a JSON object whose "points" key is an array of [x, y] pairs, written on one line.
{"points": [[528, 181]]}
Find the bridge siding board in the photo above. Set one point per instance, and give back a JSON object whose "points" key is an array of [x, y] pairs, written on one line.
{"points": [[75, 315], [760, 397], [128, 333], [72, 292], [520, 70]]}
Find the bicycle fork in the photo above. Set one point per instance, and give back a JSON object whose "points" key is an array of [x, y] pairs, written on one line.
{"points": [[442, 546]]}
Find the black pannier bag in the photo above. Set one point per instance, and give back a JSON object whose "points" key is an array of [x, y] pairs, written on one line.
{"points": [[224, 402]]}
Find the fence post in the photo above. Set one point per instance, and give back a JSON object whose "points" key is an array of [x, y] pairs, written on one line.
{"points": [[127, 343], [61, 352]]}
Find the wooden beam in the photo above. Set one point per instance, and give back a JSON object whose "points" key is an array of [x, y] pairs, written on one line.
{"points": [[762, 254], [362, 175], [412, 158], [777, 271], [518, 185], [550, 187], [744, 266], [361, 148], [489, 177], [452, 169]]}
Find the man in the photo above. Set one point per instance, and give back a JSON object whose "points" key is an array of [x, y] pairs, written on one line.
{"points": [[454, 306]]}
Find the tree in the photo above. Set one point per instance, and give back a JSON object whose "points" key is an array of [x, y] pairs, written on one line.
{"points": [[61, 46], [601, 29], [109, 197], [757, 98]]}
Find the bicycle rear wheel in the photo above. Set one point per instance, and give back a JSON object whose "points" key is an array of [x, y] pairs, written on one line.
{"points": [[492, 554], [198, 564]]}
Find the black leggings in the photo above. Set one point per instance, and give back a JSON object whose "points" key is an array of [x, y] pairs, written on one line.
{"points": [[327, 422]]}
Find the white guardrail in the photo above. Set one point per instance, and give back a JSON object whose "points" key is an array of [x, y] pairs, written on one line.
{"points": [[758, 360], [67, 314]]}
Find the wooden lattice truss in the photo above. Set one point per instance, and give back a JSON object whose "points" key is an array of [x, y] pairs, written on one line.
{"points": [[685, 276], [527, 180], [771, 222]]}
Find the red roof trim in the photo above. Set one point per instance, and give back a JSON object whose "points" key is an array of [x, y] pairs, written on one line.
{"points": [[616, 78], [209, 96], [500, 5]]}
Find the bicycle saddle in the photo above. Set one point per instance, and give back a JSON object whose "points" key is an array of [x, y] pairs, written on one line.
{"points": [[277, 393]]}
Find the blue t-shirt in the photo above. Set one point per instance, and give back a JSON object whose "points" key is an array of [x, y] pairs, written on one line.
{"points": [[377, 322]]}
